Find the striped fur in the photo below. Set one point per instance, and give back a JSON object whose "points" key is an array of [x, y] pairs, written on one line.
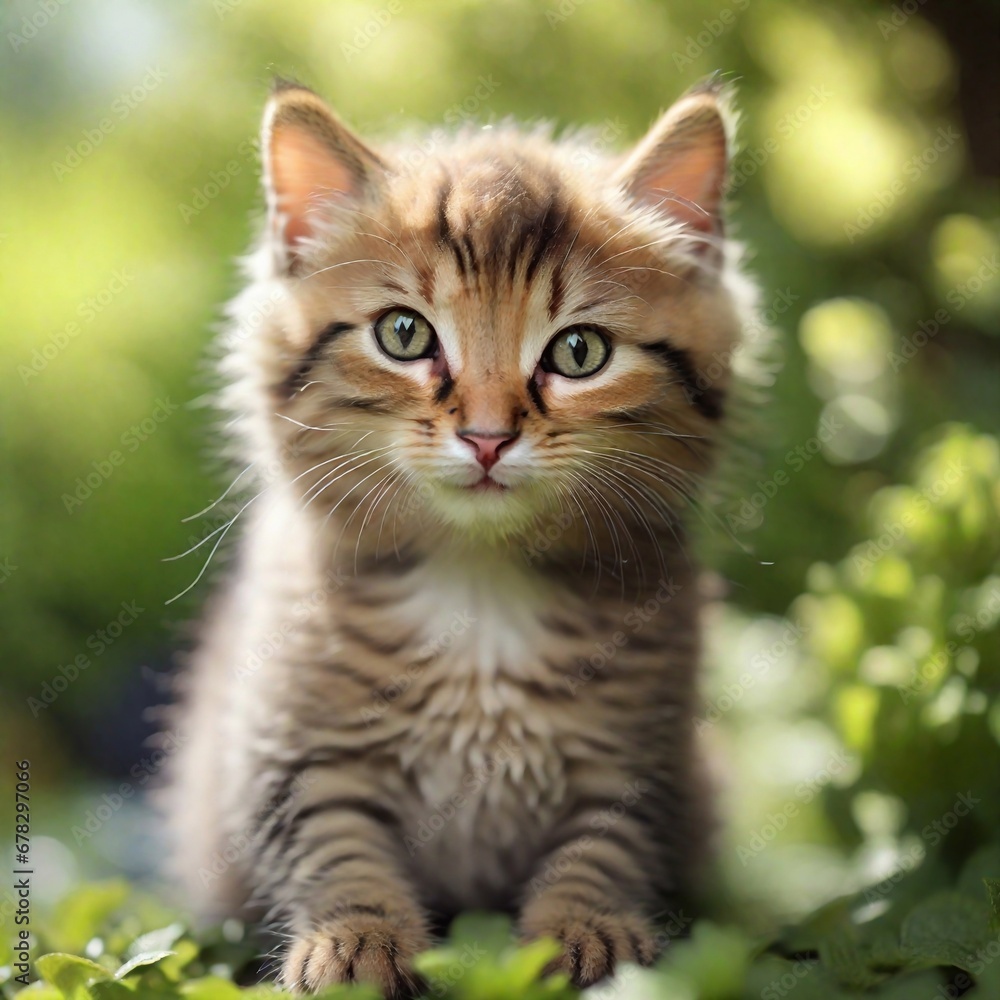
{"points": [[416, 698]]}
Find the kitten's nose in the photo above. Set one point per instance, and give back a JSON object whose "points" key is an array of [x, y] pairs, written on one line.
{"points": [[488, 446]]}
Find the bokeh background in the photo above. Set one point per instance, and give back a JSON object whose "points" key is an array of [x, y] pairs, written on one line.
{"points": [[852, 683]]}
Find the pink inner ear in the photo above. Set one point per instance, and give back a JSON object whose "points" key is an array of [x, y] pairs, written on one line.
{"points": [[688, 180], [304, 170]]}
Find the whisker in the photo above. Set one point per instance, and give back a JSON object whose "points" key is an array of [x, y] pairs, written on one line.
{"points": [[222, 496], [371, 508], [326, 481], [403, 482], [309, 427], [333, 509], [347, 263]]}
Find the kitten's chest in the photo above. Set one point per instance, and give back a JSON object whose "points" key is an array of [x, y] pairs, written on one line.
{"points": [[483, 734]]}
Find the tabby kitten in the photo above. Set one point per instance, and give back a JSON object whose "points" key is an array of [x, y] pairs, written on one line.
{"points": [[455, 667]]}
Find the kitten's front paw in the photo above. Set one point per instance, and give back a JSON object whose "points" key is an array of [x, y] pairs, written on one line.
{"points": [[593, 942], [355, 949]]}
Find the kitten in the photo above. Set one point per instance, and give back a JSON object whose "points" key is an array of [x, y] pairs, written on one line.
{"points": [[456, 665]]}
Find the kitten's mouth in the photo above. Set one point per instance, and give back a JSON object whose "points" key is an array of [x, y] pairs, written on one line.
{"points": [[487, 484]]}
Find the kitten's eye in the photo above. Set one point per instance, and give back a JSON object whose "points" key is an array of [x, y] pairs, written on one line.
{"points": [[405, 335], [576, 352]]}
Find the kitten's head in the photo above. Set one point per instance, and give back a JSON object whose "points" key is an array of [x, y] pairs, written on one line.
{"points": [[499, 333]]}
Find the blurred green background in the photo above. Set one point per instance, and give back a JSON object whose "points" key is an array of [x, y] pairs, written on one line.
{"points": [[852, 682]]}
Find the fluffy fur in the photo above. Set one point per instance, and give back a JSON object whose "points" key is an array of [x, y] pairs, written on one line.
{"points": [[416, 696]]}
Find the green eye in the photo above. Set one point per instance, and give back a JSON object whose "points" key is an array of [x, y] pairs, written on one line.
{"points": [[405, 335], [577, 352]]}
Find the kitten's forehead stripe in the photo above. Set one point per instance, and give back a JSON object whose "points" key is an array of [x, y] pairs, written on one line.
{"points": [[548, 235], [471, 251], [444, 227], [556, 292]]}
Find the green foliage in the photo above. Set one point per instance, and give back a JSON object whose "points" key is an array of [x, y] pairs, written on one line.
{"points": [[846, 948]]}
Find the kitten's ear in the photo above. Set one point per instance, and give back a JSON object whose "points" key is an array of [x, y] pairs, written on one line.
{"points": [[680, 166], [309, 156]]}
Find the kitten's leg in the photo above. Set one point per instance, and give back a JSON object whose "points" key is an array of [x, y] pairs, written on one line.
{"points": [[592, 895], [334, 867]]}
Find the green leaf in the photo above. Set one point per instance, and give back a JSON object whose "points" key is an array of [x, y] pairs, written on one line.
{"points": [[141, 961], [41, 991], [110, 990], [910, 986], [946, 929], [82, 914], [162, 939], [842, 955], [210, 988], [983, 863], [70, 974], [185, 951], [526, 964], [713, 960]]}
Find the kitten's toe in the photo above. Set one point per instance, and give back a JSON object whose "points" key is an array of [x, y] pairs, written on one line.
{"points": [[593, 942], [365, 949]]}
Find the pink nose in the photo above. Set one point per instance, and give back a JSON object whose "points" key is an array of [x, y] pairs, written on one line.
{"points": [[488, 446]]}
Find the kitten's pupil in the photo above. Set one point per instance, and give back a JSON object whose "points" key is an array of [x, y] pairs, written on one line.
{"points": [[578, 345], [404, 328]]}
